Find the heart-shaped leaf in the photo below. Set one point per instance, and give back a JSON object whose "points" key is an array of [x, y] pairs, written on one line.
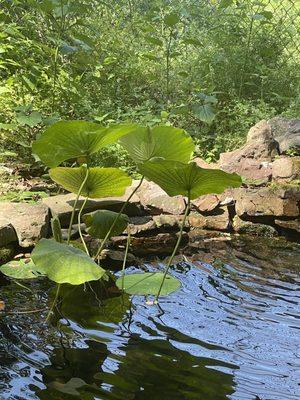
{"points": [[65, 264], [22, 269], [72, 139], [148, 283], [99, 222], [101, 182], [162, 141], [188, 180]]}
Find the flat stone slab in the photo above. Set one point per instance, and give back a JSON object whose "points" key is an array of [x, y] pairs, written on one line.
{"points": [[61, 206], [29, 221]]}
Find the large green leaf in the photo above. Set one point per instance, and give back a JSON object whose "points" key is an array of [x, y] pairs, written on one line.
{"points": [[177, 178], [22, 269], [148, 283], [205, 112], [99, 222], [65, 264], [101, 182], [162, 141], [71, 139]]}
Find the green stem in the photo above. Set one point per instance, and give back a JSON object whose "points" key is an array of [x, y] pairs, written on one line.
{"points": [[75, 205], [79, 227], [54, 302], [125, 258], [102, 244], [174, 250]]}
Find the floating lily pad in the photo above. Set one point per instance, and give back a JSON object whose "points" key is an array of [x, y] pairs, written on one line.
{"points": [[21, 269], [101, 182], [148, 283], [65, 264], [99, 223]]}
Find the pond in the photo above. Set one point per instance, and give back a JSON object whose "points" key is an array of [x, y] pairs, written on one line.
{"points": [[231, 332]]}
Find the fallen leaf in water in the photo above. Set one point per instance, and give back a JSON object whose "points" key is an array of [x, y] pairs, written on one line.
{"points": [[2, 305]]}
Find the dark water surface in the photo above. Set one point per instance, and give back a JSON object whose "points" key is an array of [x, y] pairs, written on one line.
{"points": [[231, 332]]}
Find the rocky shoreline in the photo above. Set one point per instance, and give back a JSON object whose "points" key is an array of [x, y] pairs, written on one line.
{"points": [[268, 203]]}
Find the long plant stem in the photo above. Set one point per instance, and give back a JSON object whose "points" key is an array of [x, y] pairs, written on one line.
{"points": [[174, 250], [54, 302], [75, 205], [103, 242], [79, 227], [125, 258]]}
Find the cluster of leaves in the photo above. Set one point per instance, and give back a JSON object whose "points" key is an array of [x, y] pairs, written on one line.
{"points": [[202, 68], [162, 154]]}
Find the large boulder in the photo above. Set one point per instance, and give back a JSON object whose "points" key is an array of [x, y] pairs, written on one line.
{"points": [[30, 221], [267, 202], [286, 132], [253, 160]]}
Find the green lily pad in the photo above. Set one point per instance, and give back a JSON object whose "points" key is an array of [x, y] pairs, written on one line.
{"points": [[148, 283], [21, 269], [65, 264], [99, 222], [162, 141], [101, 182], [72, 139], [177, 178]]}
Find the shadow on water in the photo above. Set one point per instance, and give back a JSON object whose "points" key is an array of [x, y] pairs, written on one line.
{"points": [[231, 332]]}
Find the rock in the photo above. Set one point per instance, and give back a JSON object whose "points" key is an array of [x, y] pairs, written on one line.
{"points": [[203, 164], [252, 161], [62, 205], [168, 222], [30, 221], [113, 259], [219, 220], [156, 201], [7, 253], [7, 232], [160, 244], [293, 225], [141, 225], [287, 134], [265, 202], [206, 203], [255, 229], [286, 168]]}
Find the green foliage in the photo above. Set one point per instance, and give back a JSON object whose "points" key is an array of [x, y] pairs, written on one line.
{"points": [[161, 141], [99, 223], [188, 179], [101, 182], [22, 269], [65, 264], [148, 283]]}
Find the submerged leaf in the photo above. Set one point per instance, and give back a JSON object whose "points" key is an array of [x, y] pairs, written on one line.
{"points": [[101, 182], [99, 222], [177, 178], [22, 269], [148, 283], [72, 139], [65, 264], [162, 141]]}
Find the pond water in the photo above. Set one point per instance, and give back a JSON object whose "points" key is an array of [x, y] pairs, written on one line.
{"points": [[231, 332]]}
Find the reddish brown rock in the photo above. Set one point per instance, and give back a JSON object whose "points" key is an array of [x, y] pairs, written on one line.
{"points": [[286, 168], [267, 202], [206, 203], [255, 229], [218, 221], [293, 225]]}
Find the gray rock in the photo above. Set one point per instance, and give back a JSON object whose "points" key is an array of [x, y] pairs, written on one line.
{"points": [[286, 132], [7, 233], [254, 229], [30, 221]]}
